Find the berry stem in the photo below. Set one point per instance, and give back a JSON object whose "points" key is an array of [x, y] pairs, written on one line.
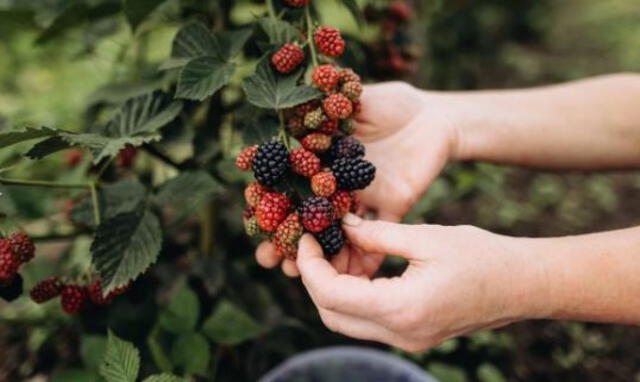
{"points": [[94, 201], [312, 47], [283, 135], [41, 183], [271, 9]]}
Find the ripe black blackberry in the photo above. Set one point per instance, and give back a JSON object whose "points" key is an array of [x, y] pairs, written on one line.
{"points": [[345, 147], [353, 173], [270, 163], [331, 239]]}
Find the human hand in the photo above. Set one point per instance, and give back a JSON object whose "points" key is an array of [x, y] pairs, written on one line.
{"points": [[459, 279], [410, 136]]}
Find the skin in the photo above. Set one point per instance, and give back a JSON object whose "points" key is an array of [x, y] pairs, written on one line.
{"points": [[466, 278]]}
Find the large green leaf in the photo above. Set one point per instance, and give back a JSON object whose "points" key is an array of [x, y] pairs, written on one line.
{"points": [[356, 12], [13, 137], [201, 188], [279, 31], [164, 378], [138, 10], [121, 361], [46, 147], [229, 325], [190, 352], [268, 90], [113, 199], [144, 114], [92, 350], [181, 315], [125, 246], [202, 77], [195, 40]]}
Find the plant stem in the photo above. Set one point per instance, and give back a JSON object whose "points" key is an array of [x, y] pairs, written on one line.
{"points": [[271, 9], [41, 183], [94, 201], [312, 47], [283, 135]]}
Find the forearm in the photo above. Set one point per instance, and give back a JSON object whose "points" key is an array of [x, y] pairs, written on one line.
{"points": [[592, 277], [589, 124]]}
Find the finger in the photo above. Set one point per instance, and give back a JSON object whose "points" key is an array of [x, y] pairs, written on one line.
{"points": [[381, 237], [341, 261], [332, 291], [290, 268], [356, 327], [267, 256]]}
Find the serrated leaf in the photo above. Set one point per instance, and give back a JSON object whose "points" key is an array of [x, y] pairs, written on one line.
{"points": [[181, 315], [46, 147], [356, 12], [138, 10], [125, 246], [121, 361], [279, 31], [13, 137], [232, 42], [143, 114], [229, 325], [92, 350], [268, 90], [116, 198], [108, 147], [259, 129], [202, 77], [201, 188], [195, 40], [190, 352], [164, 378]]}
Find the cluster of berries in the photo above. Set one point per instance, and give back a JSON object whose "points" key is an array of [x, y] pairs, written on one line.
{"points": [[328, 157], [15, 250], [74, 297], [395, 53]]}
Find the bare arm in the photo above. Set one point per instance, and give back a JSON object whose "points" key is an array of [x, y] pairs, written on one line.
{"points": [[589, 124]]}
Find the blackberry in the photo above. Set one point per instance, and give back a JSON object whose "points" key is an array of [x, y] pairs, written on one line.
{"points": [[353, 173], [270, 163], [13, 290], [346, 147], [331, 239]]}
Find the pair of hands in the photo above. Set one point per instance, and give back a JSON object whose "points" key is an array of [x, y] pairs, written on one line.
{"points": [[449, 287]]}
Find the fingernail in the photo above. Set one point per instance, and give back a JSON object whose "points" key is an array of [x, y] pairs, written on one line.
{"points": [[352, 220]]}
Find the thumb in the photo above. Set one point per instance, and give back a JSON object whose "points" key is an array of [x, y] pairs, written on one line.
{"points": [[381, 236]]}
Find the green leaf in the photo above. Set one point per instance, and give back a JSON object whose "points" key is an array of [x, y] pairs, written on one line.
{"points": [[108, 147], [116, 198], [77, 14], [260, 128], [490, 373], [13, 137], [229, 325], [46, 147], [202, 77], [164, 378], [181, 316], [195, 40], [356, 12], [138, 10], [121, 361], [125, 246], [279, 32], [92, 350], [267, 90], [191, 353], [201, 188], [76, 375], [143, 114], [232, 42]]}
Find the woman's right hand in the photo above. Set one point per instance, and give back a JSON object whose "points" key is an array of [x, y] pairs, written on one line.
{"points": [[410, 135]]}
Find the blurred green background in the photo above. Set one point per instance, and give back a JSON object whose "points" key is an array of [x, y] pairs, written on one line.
{"points": [[465, 44]]}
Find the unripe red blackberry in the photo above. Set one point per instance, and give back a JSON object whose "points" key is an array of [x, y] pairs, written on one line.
{"points": [[244, 160], [323, 184], [325, 77], [348, 75], [307, 107], [342, 202], [400, 10], [304, 162], [22, 246], [96, 295], [270, 163], [295, 126], [331, 239], [13, 290], [316, 142], [290, 230], [126, 157], [352, 90], [73, 157], [337, 106], [46, 289], [317, 213], [288, 58], [287, 250], [329, 41], [345, 147], [329, 126], [253, 193], [314, 119], [353, 173], [9, 263], [251, 226], [272, 210], [296, 3], [73, 298]]}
